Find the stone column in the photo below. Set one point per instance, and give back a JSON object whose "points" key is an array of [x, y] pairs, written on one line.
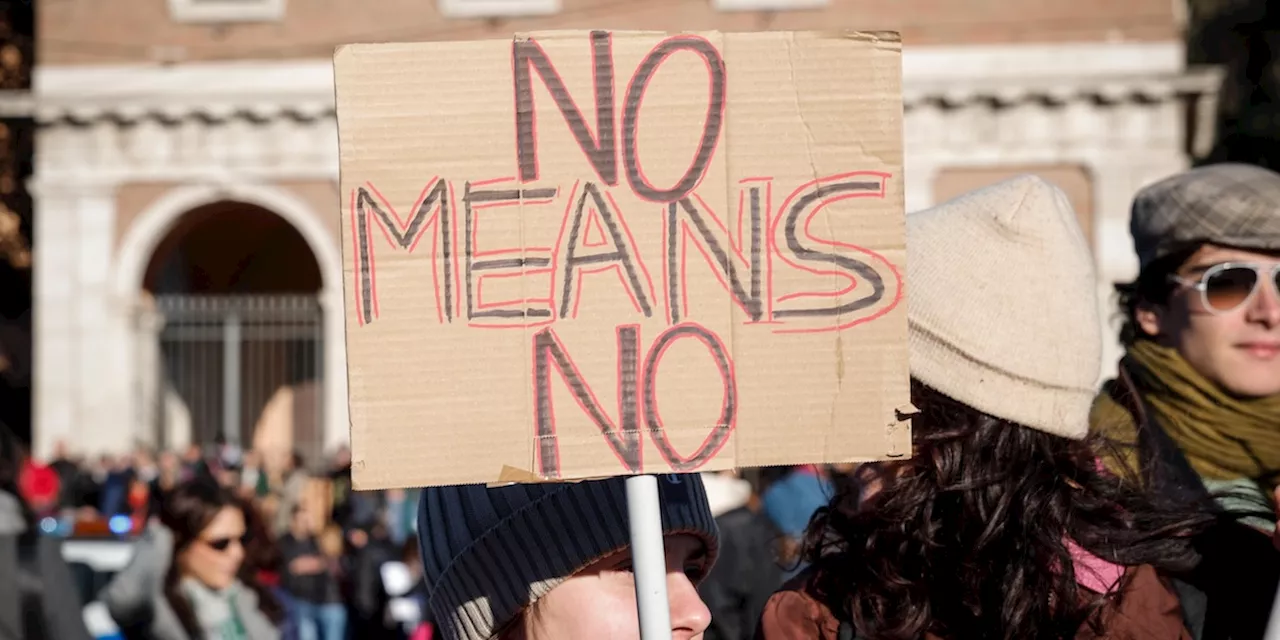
{"points": [[150, 395], [923, 138], [337, 420], [81, 337], [53, 312], [921, 171]]}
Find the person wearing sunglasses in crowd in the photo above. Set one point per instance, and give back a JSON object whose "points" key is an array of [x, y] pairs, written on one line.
{"points": [[186, 580], [1198, 389]]}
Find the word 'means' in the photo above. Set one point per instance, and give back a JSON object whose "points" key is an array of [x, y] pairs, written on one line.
{"points": [[743, 270]]}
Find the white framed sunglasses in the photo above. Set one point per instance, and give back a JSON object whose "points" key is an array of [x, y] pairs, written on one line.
{"points": [[1228, 286]]}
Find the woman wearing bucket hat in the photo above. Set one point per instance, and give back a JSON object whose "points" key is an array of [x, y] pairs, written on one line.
{"points": [[1002, 525], [553, 561]]}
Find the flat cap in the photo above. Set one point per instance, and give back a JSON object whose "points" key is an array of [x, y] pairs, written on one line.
{"points": [[1234, 205]]}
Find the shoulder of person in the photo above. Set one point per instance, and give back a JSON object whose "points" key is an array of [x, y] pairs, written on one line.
{"points": [[1149, 605], [12, 521], [133, 593], [257, 625], [796, 611]]}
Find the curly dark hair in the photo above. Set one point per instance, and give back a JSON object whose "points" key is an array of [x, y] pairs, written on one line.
{"points": [[969, 539]]}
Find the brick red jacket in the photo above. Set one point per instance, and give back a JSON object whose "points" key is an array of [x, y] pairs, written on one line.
{"points": [[1147, 609]]}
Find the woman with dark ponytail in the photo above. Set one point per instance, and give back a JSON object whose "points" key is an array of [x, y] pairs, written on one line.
{"points": [[1003, 524]]}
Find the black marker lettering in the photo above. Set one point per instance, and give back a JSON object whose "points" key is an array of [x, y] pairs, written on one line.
{"points": [[711, 128], [601, 149], [757, 233], [853, 266], [728, 412], [625, 442], [683, 212], [471, 266], [404, 238], [622, 252]]}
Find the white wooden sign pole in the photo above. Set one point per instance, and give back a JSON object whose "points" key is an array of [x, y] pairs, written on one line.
{"points": [[648, 557], [1273, 627]]}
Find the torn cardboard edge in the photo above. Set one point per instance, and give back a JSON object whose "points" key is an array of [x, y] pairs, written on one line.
{"points": [[905, 412], [903, 415]]}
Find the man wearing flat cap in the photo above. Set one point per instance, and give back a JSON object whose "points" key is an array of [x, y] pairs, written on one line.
{"points": [[1199, 387]]}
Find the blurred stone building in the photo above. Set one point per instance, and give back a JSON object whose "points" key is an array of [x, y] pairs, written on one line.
{"points": [[189, 272]]}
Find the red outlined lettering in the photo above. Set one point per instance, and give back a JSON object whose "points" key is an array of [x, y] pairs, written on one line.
{"points": [[524, 261], [711, 126], [623, 437], [623, 252], [430, 210], [687, 224], [797, 211], [601, 147], [720, 432], [589, 271]]}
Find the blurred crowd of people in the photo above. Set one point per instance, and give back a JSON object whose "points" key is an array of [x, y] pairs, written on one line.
{"points": [[316, 550], [324, 562]]}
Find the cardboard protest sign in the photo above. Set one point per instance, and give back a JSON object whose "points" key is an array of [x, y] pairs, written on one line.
{"points": [[584, 254]]}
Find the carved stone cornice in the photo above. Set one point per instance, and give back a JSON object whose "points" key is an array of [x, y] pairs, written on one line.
{"points": [[275, 120]]}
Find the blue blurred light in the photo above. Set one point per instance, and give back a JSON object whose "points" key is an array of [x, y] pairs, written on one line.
{"points": [[49, 525], [120, 525]]}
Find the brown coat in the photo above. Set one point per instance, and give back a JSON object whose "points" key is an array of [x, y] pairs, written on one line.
{"points": [[1148, 610]]}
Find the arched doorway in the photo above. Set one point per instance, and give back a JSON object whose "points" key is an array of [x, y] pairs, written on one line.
{"points": [[235, 333]]}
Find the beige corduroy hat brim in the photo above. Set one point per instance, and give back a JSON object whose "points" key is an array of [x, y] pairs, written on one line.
{"points": [[1003, 307]]}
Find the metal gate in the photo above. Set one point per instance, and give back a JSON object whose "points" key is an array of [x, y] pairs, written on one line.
{"points": [[245, 368]]}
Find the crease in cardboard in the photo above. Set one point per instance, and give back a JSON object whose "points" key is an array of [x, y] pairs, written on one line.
{"points": [[810, 139], [727, 145], [529, 408], [839, 384]]}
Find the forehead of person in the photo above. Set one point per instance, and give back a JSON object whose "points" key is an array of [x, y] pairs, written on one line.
{"points": [[490, 554], [1190, 228]]}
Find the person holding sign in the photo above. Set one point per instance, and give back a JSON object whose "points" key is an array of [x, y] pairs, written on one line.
{"points": [[552, 561], [1003, 524]]}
